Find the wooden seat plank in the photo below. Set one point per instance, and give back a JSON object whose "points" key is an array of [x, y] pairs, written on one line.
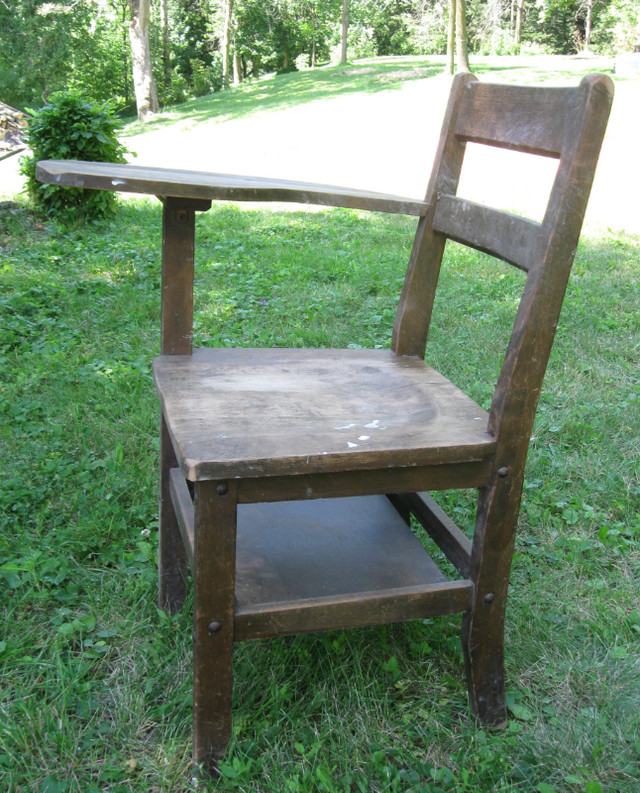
{"points": [[313, 411]]}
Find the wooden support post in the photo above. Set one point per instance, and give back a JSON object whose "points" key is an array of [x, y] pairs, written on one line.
{"points": [[172, 558], [178, 242], [214, 589]]}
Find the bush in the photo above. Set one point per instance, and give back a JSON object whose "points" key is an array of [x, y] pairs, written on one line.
{"points": [[70, 128]]}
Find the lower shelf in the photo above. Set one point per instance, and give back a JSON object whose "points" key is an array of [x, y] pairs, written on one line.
{"points": [[328, 564]]}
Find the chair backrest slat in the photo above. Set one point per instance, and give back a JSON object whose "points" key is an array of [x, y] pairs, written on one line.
{"points": [[564, 123], [526, 119], [501, 234]]}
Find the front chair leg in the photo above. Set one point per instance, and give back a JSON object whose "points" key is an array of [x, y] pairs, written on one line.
{"points": [[214, 584]]}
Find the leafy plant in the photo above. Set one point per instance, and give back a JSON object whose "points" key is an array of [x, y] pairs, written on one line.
{"points": [[71, 128]]}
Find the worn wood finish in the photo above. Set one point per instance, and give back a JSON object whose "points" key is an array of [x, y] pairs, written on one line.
{"points": [[313, 411], [178, 234], [216, 186], [500, 234], [331, 564], [215, 518], [265, 436], [327, 564], [514, 404], [184, 512], [449, 538], [413, 316], [357, 610], [361, 482], [519, 118], [172, 554]]}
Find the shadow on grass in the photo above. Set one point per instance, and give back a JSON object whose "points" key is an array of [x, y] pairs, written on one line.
{"points": [[283, 91]]}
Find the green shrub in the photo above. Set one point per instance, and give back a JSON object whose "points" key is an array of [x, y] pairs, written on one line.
{"points": [[71, 128]]}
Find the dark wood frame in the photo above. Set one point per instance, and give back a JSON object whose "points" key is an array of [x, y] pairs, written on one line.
{"points": [[214, 513]]}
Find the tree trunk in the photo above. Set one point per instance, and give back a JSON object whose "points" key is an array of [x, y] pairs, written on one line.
{"points": [[237, 68], [344, 30], [226, 43], [517, 35], [462, 45], [143, 82], [451, 37], [125, 62], [164, 24], [587, 27]]}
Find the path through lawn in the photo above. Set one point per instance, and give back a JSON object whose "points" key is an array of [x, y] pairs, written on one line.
{"points": [[384, 139]]}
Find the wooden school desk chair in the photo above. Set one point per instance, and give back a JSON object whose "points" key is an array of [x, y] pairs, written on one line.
{"points": [[289, 477]]}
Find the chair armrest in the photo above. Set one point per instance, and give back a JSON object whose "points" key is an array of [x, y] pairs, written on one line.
{"points": [[226, 187]]}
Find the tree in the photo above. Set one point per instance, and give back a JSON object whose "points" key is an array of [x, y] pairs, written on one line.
{"points": [[143, 81], [451, 37], [344, 30], [227, 31], [462, 43]]}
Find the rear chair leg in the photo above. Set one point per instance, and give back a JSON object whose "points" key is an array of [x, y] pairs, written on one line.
{"points": [[483, 626], [172, 558]]}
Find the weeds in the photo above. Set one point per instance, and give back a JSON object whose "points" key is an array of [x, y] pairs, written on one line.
{"points": [[96, 682]]}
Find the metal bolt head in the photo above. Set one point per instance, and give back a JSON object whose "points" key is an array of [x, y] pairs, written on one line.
{"points": [[502, 472], [489, 597], [222, 489], [214, 627]]}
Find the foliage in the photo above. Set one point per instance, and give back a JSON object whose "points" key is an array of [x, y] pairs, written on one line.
{"points": [[68, 127], [89, 663], [85, 45], [95, 692]]}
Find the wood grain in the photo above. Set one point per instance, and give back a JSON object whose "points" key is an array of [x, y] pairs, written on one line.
{"points": [[217, 186], [500, 234], [250, 413]]}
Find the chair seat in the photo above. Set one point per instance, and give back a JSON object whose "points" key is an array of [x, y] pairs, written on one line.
{"points": [[247, 413]]}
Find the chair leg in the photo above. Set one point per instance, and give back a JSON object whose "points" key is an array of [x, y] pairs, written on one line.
{"points": [[172, 558], [214, 585], [483, 626]]}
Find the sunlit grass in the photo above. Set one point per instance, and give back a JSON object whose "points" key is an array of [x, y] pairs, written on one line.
{"points": [[95, 683]]}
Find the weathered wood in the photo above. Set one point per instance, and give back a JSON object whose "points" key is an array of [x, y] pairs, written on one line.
{"points": [[178, 234], [519, 118], [331, 564], [313, 411], [267, 435], [449, 538], [172, 555], [586, 111], [214, 586], [413, 317], [184, 511], [358, 610], [220, 187], [360, 482], [500, 234]]}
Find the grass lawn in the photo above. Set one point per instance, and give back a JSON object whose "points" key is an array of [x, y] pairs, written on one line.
{"points": [[95, 682]]}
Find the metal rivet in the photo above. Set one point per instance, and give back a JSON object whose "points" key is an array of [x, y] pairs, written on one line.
{"points": [[214, 627], [503, 472], [222, 489], [489, 598]]}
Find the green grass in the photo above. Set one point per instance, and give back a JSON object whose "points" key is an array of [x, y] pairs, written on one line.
{"points": [[95, 681]]}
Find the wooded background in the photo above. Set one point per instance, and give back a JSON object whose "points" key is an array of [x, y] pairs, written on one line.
{"points": [[157, 52]]}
